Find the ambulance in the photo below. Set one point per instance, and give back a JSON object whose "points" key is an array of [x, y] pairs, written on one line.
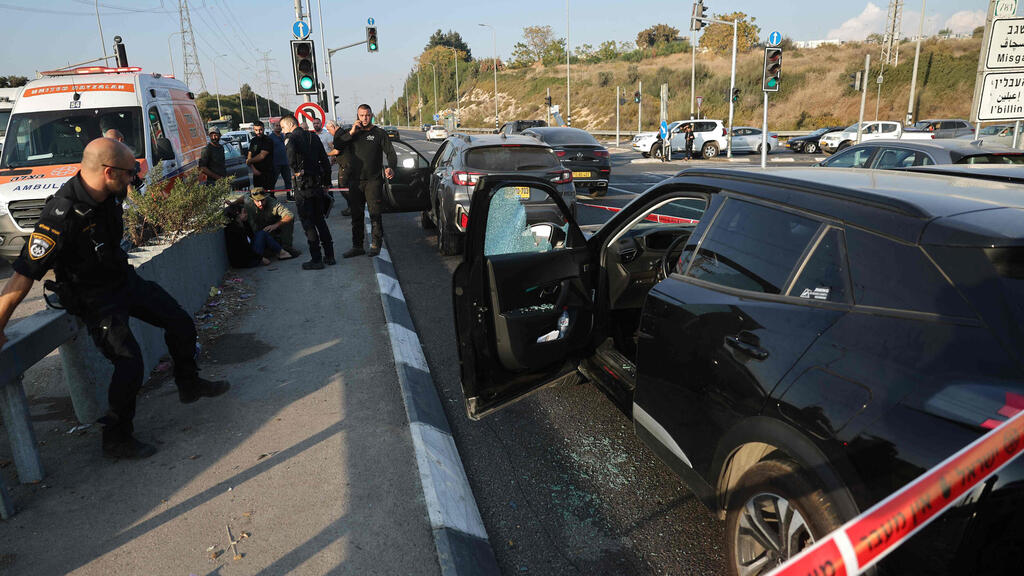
{"points": [[8, 96], [58, 114]]}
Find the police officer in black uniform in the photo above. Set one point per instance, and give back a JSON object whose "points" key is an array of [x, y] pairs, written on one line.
{"points": [[312, 174], [79, 235], [366, 145]]}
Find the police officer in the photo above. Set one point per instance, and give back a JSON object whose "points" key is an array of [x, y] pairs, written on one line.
{"points": [[79, 235], [312, 173], [366, 145]]}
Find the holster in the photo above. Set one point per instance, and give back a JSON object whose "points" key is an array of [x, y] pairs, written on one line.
{"points": [[66, 298]]}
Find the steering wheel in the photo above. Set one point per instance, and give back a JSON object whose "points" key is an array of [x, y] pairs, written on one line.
{"points": [[671, 256]]}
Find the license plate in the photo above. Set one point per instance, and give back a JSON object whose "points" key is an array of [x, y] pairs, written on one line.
{"points": [[581, 174], [522, 192]]}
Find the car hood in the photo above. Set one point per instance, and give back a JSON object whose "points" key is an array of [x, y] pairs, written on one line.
{"points": [[647, 135]]}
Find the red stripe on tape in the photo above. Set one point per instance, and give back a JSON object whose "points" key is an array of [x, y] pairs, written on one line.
{"points": [[822, 560], [652, 217]]}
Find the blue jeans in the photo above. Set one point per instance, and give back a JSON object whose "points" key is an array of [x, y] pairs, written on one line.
{"points": [[284, 172], [261, 241]]}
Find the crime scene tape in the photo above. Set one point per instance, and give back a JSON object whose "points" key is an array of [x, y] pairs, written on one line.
{"points": [[652, 217], [276, 190], [865, 540]]}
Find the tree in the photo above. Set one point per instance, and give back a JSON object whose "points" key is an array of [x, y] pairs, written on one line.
{"points": [[585, 53], [659, 33], [945, 32], [874, 38], [607, 51], [978, 32], [536, 43], [246, 92], [718, 37], [12, 81], [450, 39], [554, 54]]}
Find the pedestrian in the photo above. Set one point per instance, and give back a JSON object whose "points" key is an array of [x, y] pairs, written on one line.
{"points": [[211, 159], [244, 246], [261, 158], [78, 235], [312, 172], [341, 159], [366, 145], [688, 132], [267, 214], [281, 161], [326, 138]]}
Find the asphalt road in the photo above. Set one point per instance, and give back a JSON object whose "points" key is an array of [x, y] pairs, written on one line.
{"points": [[563, 484]]}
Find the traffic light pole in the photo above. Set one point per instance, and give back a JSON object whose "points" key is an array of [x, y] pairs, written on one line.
{"points": [[764, 134], [732, 75], [618, 98], [330, 72], [298, 16]]}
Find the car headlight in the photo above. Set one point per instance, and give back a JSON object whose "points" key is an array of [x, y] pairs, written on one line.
{"points": [[3, 208]]}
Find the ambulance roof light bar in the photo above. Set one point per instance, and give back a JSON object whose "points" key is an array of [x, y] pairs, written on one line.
{"points": [[91, 70]]}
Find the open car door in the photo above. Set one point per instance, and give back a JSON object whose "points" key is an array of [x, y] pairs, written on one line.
{"points": [[522, 294], [408, 191]]}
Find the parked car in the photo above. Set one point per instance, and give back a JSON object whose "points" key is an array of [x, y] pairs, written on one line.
{"points": [[392, 132], [836, 141], [945, 128], [748, 139], [644, 141], [796, 344], [517, 126], [709, 139], [577, 150], [234, 161], [1001, 134], [904, 153], [809, 144], [239, 137], [425, 127], [1010, 173], [463, 160], [437, 132]]}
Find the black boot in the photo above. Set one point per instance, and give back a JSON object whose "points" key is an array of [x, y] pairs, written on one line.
{"points": [[119, 444], [373, 251], [313, 265], [192, 389], [353, 251], [329, 255]]}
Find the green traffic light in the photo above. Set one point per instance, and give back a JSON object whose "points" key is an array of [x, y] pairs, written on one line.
{"points": [[773, 82], [373, 46], [306, 83]]}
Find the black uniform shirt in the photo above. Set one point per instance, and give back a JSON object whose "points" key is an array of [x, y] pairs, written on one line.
{"points": [[366, 150], [212, 157], [79, 238], [259, 144], [306, 155]]}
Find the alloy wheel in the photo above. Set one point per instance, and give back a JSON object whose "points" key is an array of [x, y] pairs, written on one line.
{"points": [[771, 531]]}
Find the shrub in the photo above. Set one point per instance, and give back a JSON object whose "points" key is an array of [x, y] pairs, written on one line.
{"points": [[604, 79], [177, 208], [633, 74]]}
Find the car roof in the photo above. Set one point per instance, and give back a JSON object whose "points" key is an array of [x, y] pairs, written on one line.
{"points": [[473, 140], [1002, 172], [542, 130], [894, 202], [963, 147]]}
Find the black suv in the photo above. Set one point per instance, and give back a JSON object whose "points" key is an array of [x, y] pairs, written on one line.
{"points": [[462, 160], [795, 344]]}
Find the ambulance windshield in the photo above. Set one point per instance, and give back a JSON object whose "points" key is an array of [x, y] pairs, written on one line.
{"points": [[59, 136]]}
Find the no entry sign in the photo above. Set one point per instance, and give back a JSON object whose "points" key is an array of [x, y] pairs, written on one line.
{"points": [[310, 111]]}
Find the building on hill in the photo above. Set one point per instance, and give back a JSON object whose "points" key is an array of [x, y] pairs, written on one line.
{"points": [[816, 43]]}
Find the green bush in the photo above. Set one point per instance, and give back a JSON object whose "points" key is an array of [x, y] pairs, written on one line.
{"points": [[604, 79], [176, 208], [632, 74]]}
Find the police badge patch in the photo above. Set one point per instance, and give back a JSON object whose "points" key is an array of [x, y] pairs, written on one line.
{"points": [[39, 245]]}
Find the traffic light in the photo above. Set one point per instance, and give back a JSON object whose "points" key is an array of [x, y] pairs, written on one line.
{"points": [[700, 11], [856, 81], [337, 100], [304, 66], [735, 95], [636, 97], [371, 39], [772, 69]]}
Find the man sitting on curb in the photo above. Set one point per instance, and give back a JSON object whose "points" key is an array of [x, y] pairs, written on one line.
{"points": [[268, 214]]}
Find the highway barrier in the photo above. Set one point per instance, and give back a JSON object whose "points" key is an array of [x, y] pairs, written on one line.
{"points": [[864, 541]]}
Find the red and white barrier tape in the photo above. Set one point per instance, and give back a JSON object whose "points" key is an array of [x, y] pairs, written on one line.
{"points": [[652, 217], [276, 190], [863, 541]]}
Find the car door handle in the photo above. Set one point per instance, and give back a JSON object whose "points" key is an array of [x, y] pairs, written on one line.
{"points": [[752, 350]]}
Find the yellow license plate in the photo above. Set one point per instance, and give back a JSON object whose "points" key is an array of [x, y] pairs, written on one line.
{"points": [[581, 174], [522, 192]]}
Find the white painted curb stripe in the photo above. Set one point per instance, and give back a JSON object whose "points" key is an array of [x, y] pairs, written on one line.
{"points": [[405, 345], [450, 502], [390, 286]]}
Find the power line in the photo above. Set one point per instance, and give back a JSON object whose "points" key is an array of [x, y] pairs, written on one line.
{"points": [[162, 9]]}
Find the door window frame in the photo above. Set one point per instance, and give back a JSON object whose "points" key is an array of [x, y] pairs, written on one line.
{"points": [[668, 197]]}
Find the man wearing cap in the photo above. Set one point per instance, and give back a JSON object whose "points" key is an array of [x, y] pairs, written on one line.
{"points": [[211, 160], [267, 214]]}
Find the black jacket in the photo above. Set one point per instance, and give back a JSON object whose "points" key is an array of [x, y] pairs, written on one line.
{"points": [[238, 238], [366, 151], [306, 156]]}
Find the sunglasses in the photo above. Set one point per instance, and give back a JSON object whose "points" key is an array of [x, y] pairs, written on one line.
{"points": [[133, 170]]}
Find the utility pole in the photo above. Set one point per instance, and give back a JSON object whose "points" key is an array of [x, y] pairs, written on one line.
{"points": [[266, 71], [241, 105], [979, 81], [913, 77], [863, 96], [640, 106], [618, 98], [458, 107], [568, 95], [547, 107], [419, 96], [693, 70]]}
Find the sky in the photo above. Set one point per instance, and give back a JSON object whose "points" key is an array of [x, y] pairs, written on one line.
{"points": [[232, 36]]}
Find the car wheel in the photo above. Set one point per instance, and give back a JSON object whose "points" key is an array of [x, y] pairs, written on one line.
{"points": [[843, 145], [449, 241], [645, 154], [710, 150], [810, 148], [759, 148], [775, 512]]}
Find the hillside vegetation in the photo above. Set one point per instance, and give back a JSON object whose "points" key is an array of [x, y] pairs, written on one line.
{"points": [[815, 88]]}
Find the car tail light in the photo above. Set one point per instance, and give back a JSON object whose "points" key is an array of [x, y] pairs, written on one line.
{"points": [[559, 153], [723, 131], [462, 178], [561, 177], [770, 135], [601, 153], [463, 220], [932, 136]]}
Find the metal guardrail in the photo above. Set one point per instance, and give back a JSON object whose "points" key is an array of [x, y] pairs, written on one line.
{"points": [[628, 134]]}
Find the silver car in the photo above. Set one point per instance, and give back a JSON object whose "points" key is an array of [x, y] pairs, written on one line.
{"points": [[748, 139]]}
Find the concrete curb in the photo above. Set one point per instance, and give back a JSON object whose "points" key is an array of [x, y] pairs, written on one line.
{"points": [[459, 534]]}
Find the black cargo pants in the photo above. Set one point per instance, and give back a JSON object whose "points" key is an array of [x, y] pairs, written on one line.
{"points": [[311, 205], [106, 317], [368, 194]]}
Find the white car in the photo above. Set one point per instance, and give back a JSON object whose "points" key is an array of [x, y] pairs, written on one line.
{"points": [[709, 139], [437, 132], [748, 139], [876, 130]]}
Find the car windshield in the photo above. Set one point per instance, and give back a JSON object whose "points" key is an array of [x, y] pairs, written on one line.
{"points": [[992, 130], [818, 132], [852, 128], [511, 158], [437, 127], [60, 136], [1009, 158], [567, 136]]}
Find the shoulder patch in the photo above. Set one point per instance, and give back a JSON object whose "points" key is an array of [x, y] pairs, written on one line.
{"points": [[56, 209], [40, 245]]}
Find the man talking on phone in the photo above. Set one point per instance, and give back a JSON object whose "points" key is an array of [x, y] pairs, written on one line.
{"points": [[366, 145]]}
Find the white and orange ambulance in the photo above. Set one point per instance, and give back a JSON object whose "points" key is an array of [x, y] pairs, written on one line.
{"points": [[58, 114]]}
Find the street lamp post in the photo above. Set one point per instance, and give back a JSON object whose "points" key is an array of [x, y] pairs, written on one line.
{"points": [[494, 45], [435, 90], [215, 88], [170, 55], [568, 93], [458, 108]]}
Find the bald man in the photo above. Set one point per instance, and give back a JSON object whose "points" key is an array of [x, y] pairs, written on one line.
{"points": [[79, 236]]}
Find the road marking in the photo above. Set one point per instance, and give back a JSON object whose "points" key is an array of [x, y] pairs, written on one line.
{"points": [[617, 189], [783, 160]]}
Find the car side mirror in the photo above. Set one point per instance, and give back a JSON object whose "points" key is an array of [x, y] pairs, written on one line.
{"points": [[164, 149]]}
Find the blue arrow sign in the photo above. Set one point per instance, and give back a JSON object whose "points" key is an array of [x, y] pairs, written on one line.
{"points": [[774, 39], [300, 29], [664, 130], [369, 21]]}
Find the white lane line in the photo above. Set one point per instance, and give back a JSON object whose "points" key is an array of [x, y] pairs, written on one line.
{"points": [[617, 189]]}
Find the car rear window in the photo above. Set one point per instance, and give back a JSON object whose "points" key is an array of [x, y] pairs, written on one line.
{"points": [[511, 158], [567, 137], [992, 159]]}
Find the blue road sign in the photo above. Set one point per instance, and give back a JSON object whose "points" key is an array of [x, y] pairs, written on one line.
{"points": [[437, 117], [300, 29], [774, 39], [369, 21], [664, 130]]}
